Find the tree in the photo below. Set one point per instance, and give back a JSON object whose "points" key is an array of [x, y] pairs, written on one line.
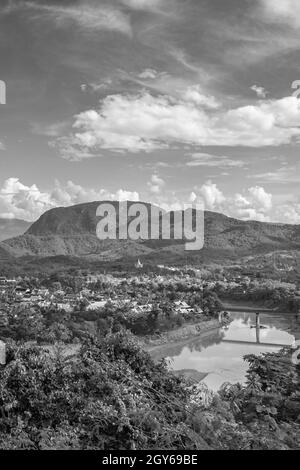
{"points": [[25, 323], [111, 395]]}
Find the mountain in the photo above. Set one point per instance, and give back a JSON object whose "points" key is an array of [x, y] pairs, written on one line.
{"points": [[71, 231], [12, 228], [4, 255]]}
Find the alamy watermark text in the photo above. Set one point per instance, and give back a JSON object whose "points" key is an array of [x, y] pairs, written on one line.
{"points": [[139, 221], [2, 92]]}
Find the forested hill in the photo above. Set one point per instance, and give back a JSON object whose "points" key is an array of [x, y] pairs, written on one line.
{"points": [[71, 231]]}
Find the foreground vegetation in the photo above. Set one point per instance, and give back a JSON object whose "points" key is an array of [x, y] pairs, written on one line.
{"points": [[110, 394], [113, 396]]}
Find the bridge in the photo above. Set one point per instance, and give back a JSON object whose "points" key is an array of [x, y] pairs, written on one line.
{"points": [[258, 329], [245, 309]]}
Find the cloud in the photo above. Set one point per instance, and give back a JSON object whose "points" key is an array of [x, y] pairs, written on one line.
{"points": [[144, 122], [74, 148], [88, 17], [282, 175], [258, 204], [28, 202], [260, 91], [156, 184], [208, 160], [282, 11], [212, 196], [151, 5], [288, 213], [18, 200], [254, 204], [272, 122], [178, 87], [21, 201], [148, 74], [182, 58], [49, 130], [194, 95], [260, 199]]}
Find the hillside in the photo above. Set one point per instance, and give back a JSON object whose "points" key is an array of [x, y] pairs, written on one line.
{"points": [[12, 228], [71, 231], [4, 255]]}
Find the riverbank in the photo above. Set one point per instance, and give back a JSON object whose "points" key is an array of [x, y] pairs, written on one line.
{"points": [[245, 306], [185, 332], [171, 342]]}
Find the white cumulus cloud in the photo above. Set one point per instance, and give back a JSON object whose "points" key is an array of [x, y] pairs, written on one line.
{"points": [[145, 122], [255, 203], [156, 184], [18, 200], [260, 91], [282, 11], [212, 195]]}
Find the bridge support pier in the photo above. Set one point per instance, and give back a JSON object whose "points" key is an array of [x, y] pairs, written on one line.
{"points": [[257, 328]]}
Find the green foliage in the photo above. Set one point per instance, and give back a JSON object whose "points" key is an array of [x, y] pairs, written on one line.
{"points": [[268, 406], [24, 323], [111, 395], [272, 294]]}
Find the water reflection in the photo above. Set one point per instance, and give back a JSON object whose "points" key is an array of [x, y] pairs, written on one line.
{"points": [[196, 344], [221, 353]]}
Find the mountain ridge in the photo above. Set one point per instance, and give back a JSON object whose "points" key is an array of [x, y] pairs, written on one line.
{"points": [[71, 231]]}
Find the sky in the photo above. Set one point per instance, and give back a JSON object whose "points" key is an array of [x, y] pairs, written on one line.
{"points": [[168, 101]]}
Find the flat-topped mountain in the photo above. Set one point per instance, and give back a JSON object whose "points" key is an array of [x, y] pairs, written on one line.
{"points": [[71, 231]]}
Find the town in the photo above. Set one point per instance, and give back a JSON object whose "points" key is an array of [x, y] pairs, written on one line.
{"points": [[147, 301]]}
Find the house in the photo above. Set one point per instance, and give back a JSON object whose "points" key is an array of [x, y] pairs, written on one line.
{"points": [[182, 307], [96, 305], [145, 308], [64, 306]]}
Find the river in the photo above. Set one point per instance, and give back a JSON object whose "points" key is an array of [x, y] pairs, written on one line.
{"points": [[219, 355]]}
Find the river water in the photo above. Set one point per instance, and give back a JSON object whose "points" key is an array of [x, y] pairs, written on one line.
{"points": [[220, 353]]}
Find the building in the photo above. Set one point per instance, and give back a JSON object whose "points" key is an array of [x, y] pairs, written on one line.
{"points": [[182, 307]]}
